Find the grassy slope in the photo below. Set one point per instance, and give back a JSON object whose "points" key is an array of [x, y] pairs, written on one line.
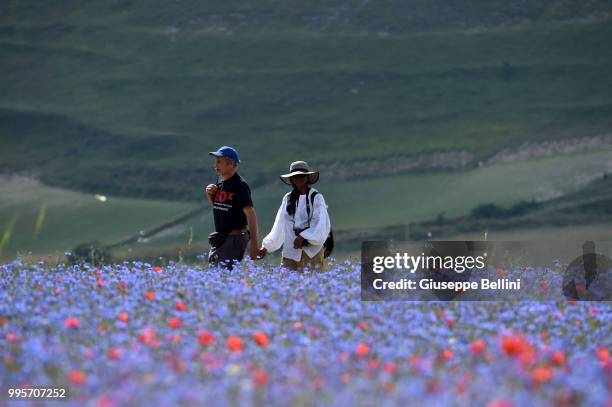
{"points": [[70, 218], [589, 205], [160, 87], [125, 98]]}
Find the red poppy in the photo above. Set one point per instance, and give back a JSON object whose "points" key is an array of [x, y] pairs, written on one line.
{"points": [[477, 347], [113, 354], [234, 344], [71, 323], [558, 358], [362, 350], [363, 326], [447, 355], [105, 401], [157, 269], [513, 345], [261, 339], [77, 377], [175, 323], [260, 377], [148, 337], [542, 374], [390, 368], [603, 355], [206, 338], [150, 295], [179, 306], [123, 317], [499, 403]]}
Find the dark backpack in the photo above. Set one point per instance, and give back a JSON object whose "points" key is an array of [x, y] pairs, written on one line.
{"points": [[328, 246]]}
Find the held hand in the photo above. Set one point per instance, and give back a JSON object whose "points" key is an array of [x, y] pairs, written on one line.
{"points": [[211, 190], [298, 242], [262, 252]]}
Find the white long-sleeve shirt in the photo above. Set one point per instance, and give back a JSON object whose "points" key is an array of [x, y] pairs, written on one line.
{"points": [[282, 231]]}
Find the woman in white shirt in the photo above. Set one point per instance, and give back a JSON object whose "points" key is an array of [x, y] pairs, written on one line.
{"points": [[302, 223]]}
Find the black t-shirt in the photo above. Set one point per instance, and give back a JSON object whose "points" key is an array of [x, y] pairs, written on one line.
{"points": [[233, 195]]}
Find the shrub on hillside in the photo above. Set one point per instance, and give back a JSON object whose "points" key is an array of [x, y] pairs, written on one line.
{"points": [[94, 253]]}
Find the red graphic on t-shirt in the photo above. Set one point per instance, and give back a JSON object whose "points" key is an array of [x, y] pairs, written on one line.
{"points": [[222, 196]]}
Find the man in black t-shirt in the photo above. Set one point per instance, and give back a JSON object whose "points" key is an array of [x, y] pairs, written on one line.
{"points": [[232, 210]]}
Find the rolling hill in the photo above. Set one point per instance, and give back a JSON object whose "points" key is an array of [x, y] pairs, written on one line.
{"points": [[445, 98], [126, 98]]}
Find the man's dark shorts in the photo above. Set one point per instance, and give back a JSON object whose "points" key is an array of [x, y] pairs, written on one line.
{"points": [[231, 250]]}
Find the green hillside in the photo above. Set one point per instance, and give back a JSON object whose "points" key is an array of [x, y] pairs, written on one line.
{"points": [[126, 98], [590, 205], [331, 16], [43, 220], [403, 104]]}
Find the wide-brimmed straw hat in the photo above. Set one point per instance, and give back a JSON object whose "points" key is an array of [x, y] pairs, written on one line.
{"points": [[300, 168]]}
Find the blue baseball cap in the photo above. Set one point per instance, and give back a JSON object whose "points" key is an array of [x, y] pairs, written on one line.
{"points": [[226, 151]]}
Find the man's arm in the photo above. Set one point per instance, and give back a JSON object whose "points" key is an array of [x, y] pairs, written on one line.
{"points": [[251, 216]]}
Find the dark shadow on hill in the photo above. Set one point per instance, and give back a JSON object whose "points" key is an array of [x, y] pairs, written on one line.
{"points": [[62, 152]]}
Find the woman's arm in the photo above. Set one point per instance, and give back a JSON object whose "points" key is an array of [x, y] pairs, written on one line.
{"points": [[274, 240]]}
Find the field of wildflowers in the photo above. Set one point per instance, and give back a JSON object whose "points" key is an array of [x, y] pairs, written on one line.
{"points": [[137, 334]]}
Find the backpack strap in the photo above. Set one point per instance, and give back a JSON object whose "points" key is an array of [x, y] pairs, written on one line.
{"points": [[308, 203], [312, 196]]}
